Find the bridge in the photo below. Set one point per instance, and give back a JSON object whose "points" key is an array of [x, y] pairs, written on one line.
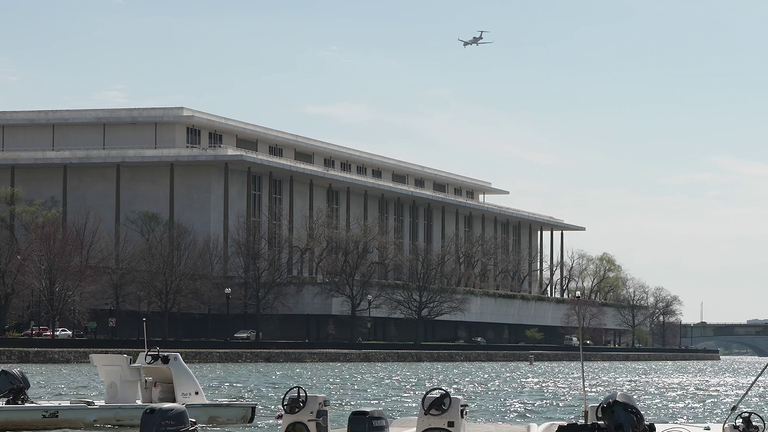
{"points": [[752, 336]]}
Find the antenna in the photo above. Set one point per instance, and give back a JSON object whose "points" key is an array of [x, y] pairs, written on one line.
{"points": [[144, 319], [735, 407], [579, 318]]}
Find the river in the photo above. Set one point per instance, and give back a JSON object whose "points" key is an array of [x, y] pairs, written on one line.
{"points": [[695, 391]]}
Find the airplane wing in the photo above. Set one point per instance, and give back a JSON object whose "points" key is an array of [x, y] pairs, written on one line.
{"points": [[481, 43], [463, 41]]}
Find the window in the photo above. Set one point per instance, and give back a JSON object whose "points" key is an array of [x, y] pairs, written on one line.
{"points": [[439, 187], [333, 206], [303, 157], [275, 218], [413, 223], [193, 137], [329, 163], [399, 222], [471, 194], [361, 170], [468, 225], [457, 191], [419, 183], [214, 139], [515, 237], [399, 178], [376, 173], [256, 201], [346, 167], [428, 226], [275, 151]]}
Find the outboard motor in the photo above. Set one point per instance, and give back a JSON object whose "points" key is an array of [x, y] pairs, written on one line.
{"points": [[303, 412], [167, 417], [441, 413], [620, 413], [14, 385], [368, 420]]}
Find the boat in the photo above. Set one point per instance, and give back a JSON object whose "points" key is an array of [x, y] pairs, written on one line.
{"points": [[129, 388], [442, 412]]}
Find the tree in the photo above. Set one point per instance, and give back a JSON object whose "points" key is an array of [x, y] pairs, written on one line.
{"points": [[633, 312], [210, 278], [168, 261], [599, 277], [12, 254], [349, 265], [62, 257], [419, 296], [260, 264], [587, 313], [533, 335], [663, 308], [119, 271]]}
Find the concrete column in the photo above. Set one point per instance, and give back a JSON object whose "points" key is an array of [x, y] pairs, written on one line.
{"points": [[551, 262], [562, 263], [541, 260], [171, 197], [117, 207], [225, 227], [64, 195], [290, 226]]}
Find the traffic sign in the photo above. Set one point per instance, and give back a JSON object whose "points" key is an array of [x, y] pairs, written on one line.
{"points": [[112, 322]]}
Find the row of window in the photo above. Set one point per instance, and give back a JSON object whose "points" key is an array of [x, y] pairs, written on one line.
{"points": [[194, 138], [216, 140], [333, 204]]}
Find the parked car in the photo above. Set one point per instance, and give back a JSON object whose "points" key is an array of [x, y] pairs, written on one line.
{"points": [[246, 335], [78, 334], [571, 341], [62, 333], [588, 342], [35, 332], [46, 334], [477, 340]]}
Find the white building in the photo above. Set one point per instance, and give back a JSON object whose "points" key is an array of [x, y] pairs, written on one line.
{"points": [[207, 171]]}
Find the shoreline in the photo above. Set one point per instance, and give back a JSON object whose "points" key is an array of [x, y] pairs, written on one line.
{"points": [[80, 355]]}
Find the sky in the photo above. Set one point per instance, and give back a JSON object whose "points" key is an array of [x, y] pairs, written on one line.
{"points": [[644, 122]]}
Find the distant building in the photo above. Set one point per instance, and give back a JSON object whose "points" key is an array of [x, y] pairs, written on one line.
{"points": [[208, 171]]}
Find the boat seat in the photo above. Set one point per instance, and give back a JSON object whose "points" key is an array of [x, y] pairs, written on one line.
{"points": [[121, 379]]}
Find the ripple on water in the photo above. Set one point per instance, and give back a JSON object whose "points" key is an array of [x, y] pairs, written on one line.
{"points": [[496, 392]]}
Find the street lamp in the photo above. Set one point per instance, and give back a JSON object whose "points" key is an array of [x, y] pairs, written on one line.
{"points": [[370, 300], [228, 294], [579, 319]]}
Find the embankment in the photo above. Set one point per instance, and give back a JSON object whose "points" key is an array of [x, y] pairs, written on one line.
{"points": [[79, 355]]}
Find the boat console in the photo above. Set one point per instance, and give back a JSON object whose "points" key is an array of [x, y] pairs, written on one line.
{"points": [[304, 412], [441, 412]]}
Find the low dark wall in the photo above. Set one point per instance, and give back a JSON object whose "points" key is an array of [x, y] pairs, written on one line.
{"points": [[367, 354]]}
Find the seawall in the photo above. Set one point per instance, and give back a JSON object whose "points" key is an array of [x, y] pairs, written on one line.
{"points": [[79, 355]]}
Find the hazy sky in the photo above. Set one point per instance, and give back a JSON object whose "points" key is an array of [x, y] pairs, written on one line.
{"points": [[645, 122]]}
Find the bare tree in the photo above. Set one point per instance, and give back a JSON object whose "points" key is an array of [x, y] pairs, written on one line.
{"points": [[663, 309], [350, 265], [587, 313], [633, 312], [419, 296], [118, 269], [168, 261], [210, 278], [62, 260], [260, 264], [11, 254]]}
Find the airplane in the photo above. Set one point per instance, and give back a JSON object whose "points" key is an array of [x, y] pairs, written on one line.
{"points": [[476, 39]]}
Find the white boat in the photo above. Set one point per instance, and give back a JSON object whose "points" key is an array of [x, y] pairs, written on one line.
{"points": [[441, 412], [156, 378]]}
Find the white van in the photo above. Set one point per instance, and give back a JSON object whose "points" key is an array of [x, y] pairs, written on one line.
{"points": [[571, 341]]}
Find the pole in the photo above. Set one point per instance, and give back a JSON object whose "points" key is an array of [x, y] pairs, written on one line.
{"points": [[581, 357], [370, 300], [227, 329]]}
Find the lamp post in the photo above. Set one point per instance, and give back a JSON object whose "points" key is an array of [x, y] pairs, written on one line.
{"points": [[370, 300], [579, 319], [228, 294]]}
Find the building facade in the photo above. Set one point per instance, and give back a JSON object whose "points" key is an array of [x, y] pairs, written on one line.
{"points": [[210, 172]]}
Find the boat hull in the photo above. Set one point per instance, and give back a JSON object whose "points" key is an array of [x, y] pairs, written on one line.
{"points": [[65, 415]]}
